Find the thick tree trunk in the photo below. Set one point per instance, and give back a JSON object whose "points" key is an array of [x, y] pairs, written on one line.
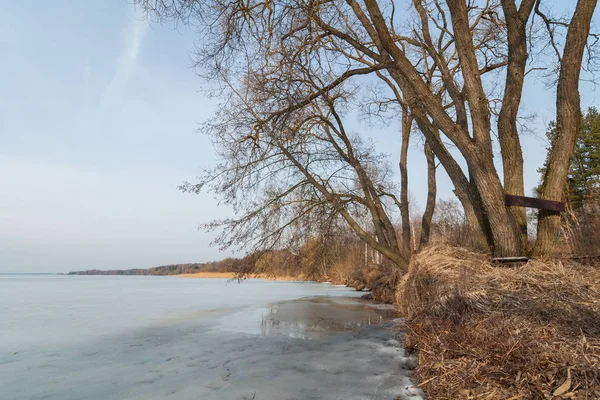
{"points": [[510, 145], [485, 193], [568, 120], [431, 194], [407, 244], [463, 189], [482, 238], [506, 237]]}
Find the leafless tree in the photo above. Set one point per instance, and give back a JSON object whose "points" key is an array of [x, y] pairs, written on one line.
{"points": [[297, 176], [568, 118], [441, 65], [431, 196]]}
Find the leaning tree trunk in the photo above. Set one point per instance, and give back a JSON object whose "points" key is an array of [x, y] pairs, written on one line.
{"points": [[431, 193], [479, 153], [481, 238], [463, 189], [505, 233], [568, 120], [407, 245]]}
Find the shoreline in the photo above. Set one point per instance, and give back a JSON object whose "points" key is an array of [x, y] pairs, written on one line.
{"points": [[233, 275]]}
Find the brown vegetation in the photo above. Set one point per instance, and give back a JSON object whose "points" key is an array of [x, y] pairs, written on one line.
{"points": [[497, 332], [340, 260], [210, 275], [234, 276]]}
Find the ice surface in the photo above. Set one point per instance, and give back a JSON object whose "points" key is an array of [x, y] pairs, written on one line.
{"points": [[315, 347]]}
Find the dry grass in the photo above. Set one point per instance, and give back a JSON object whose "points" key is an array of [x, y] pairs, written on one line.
{"points": [[487, 332], [383, 281], [211, 275], [269, 277], [235, 275]]}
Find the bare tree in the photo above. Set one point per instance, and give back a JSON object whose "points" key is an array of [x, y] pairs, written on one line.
{"points": [[439, 65], [431, 195], [296, 177], [512, 156], [568, 121], [407, 242]]}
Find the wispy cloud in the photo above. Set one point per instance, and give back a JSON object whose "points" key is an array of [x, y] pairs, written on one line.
{"points": [[126, 64]]}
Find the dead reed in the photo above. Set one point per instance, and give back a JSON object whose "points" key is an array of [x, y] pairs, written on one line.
{"points": [[495, 332]]}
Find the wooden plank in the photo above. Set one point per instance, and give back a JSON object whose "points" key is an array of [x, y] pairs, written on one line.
{"points": [[532, 202], [510, 259]]}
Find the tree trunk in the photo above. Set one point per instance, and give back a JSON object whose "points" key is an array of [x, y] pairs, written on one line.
{"points": [[431, 194], [568, 120], [505, 234], [481, 238], [407, 245], [510, 145], [463, 189]]}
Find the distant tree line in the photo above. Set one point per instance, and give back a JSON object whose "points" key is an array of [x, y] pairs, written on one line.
{"points": [[173, 269], [227, 265]]}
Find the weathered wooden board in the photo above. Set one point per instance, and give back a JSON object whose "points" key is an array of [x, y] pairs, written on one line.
{"points": [[510, 259], [532, 202]]}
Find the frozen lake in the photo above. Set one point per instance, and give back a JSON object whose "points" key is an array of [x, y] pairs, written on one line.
{"points": [[109, 337]]}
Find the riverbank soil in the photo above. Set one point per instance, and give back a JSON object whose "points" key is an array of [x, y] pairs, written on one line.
{"points": [[498, 332]]}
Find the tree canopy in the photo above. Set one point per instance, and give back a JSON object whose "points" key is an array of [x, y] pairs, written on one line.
{"points": [[291, 70]]}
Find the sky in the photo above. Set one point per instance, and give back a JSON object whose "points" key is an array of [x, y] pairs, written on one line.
{"points": [[99, 111]]}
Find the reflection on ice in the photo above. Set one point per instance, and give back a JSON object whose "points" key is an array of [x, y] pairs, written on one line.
{"points": [[317, 317]]}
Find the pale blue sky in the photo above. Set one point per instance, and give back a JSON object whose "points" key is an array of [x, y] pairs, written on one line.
{"points": [[98, 118]]}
